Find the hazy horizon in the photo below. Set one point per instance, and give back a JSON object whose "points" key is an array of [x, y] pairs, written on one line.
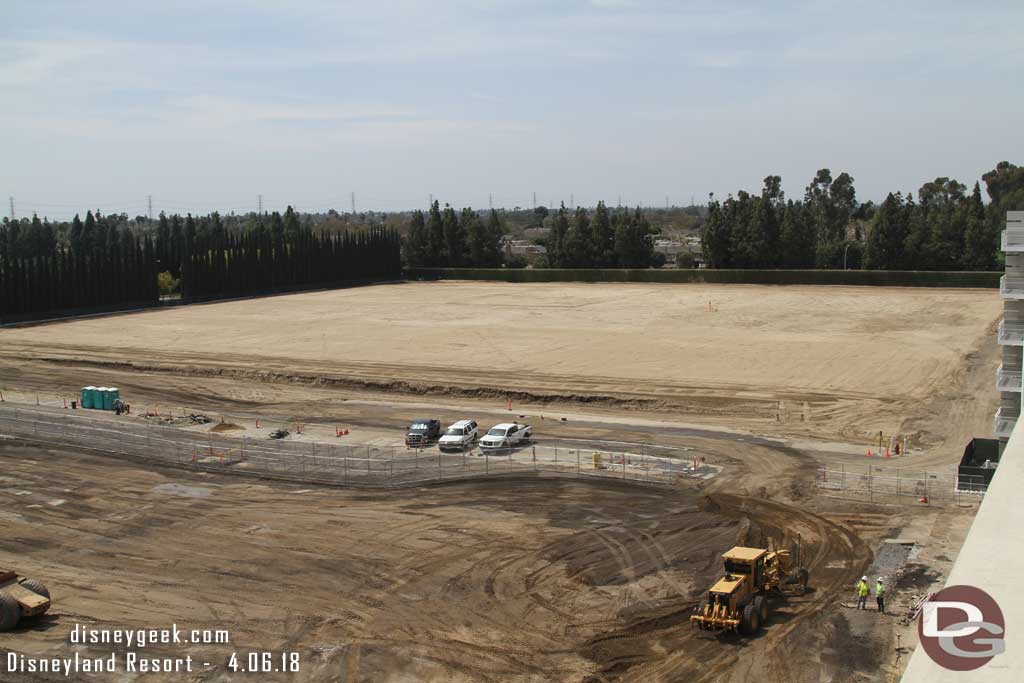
{"points": [[206, 105]]}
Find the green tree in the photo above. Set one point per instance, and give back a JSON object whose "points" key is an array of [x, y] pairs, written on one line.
{"points": [[980, 240], [416, 244], [888, 237], [492, 243], [603, 238], [578, 242], [798, 238], [436, 249], [454, 238]]}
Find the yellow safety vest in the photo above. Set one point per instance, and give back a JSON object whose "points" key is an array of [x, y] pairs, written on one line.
{"points": [[879, 590], [862, 589]]}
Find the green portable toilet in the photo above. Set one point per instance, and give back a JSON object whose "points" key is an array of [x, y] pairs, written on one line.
{"points": [[97, 398], [88, 394], [115, 394], [108, 398]]}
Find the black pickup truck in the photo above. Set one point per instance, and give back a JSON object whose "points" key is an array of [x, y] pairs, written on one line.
{"points": [[423, 432]]}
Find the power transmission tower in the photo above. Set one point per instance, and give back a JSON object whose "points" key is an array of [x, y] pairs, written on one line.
{"points": [[490, 200], [431, 199], [620, 201], [572, 201], [666, 202], [149, 203], [353, 197], [259, 203], [12, 208], [534, 201]]}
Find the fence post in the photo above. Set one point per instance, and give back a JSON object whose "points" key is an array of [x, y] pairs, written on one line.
{"points": [[623, 465], [577, 463]]}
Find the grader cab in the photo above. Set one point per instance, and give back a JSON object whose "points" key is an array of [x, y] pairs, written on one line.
{"points": [[739, 600]]}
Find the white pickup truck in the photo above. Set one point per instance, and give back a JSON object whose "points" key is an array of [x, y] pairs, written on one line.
{"points": [[506, 435], [459, 436]]}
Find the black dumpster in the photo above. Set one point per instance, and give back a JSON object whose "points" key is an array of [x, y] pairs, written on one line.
{"points": [[978, 465]]}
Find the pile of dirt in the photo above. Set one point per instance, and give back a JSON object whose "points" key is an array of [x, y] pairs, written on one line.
{"points": [[226, 427], [179, 420]]}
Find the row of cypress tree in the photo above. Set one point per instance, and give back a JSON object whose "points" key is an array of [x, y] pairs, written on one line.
{"points": [[103, 262]]}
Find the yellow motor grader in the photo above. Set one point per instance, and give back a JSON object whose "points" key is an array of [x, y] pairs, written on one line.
{"points": [[739, 600]]}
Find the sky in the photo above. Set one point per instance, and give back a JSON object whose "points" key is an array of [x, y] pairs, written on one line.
{"points": [[207, 104]]}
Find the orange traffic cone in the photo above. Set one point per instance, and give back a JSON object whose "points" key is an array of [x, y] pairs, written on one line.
{"points": [[869, 452], [924, 499], [887, 451]]}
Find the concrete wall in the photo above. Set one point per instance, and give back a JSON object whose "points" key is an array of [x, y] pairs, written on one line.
{"points": [[992, 559]]}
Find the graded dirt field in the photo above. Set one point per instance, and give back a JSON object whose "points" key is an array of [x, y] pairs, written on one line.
{"points": [[505, 580], [833, 362]]}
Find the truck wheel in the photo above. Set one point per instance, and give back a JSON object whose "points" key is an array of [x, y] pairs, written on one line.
{"points": [[35, 587], [750, 620], [10, 611], [761, 605]]}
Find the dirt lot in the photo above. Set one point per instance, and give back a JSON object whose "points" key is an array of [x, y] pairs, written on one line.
{"points": [[829, 362], [532, 580]]}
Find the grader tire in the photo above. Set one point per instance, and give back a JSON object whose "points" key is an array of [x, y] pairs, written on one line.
{"points": [[36, 587], [10, 611], [761, 605], [750, 620]]}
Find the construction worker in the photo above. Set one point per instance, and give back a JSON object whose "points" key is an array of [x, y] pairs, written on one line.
{"points": [[880, 595], [862, 593]]}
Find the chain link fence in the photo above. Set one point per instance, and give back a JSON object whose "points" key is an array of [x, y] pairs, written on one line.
{"points": [[312, 461], [876, 484]]}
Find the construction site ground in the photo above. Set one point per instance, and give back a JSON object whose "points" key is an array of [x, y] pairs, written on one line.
{"points": [[532, 579]]}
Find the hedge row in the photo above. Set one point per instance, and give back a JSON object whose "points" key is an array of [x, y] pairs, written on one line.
{"points": [[886, 278]]}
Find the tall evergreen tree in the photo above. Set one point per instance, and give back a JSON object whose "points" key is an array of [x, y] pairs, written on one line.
{"points": [[437, 251], [417, 244], [603, 236], [454, 238], [888, 237]]}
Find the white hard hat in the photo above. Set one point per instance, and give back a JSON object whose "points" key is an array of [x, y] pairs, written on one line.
{"points": [[864, 578], [879, 579]]}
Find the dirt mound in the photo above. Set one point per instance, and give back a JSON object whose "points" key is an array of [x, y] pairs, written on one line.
{"points": [[226, 427]]}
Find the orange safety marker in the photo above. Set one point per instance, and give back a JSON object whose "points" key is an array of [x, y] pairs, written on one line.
{"points": [[695, 463], [194, 455], [298, 428], [65, 404], [869, 452], [257, 423], [887, 451], [510, 405], [344, 432], [924, 499]]}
